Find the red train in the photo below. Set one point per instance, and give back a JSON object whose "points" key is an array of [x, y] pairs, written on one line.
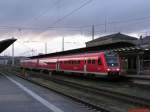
{"points": [[101, 63]]}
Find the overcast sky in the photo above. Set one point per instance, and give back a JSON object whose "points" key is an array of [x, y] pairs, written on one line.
{"points": [[31, 21]]}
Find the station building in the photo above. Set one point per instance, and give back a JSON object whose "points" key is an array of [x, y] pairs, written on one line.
{"points": [[134, 53]]}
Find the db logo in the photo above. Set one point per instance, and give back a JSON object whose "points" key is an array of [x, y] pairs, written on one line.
{"points": [[139, 110]]}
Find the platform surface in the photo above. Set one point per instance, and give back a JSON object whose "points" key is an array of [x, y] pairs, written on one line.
{"points": [[18, 95]]}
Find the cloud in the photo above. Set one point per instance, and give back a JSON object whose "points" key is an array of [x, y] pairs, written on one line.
{"points": [[42, 14], [34, 19]]}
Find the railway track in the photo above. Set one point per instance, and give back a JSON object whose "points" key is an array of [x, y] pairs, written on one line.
{"points": [[117, 95], [121, 85], [133, 100]]}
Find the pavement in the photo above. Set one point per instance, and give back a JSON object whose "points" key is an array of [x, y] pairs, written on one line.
{"points": [[140, 79], [18, 95], [141, 76]]}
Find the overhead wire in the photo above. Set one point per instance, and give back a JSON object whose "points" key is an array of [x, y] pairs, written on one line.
{"points": [[36, 18], [124, 21], [67, 28], [67, 15], [70, 13]]}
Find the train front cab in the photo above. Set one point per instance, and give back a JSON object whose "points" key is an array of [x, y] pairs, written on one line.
{"points": [[112, 64]]}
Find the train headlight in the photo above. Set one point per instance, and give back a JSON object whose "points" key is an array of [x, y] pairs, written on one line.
{"points": [[108, 69], [118, 69]]}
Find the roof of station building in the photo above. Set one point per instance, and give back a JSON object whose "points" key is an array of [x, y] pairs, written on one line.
{"points": [[110, 39], [113, 41], [86, 50]]}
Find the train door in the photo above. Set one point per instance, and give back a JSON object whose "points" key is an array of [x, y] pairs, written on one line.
{"points": [[37, 65], [57, 66], [100, 67], [85, 65], [91, 65]]}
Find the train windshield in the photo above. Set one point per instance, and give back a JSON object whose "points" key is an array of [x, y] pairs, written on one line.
{"points": [[111, 59]]}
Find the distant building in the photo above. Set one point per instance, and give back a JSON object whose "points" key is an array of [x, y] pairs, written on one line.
{"points": [[3, 60], [144, 40], [7, 60]]}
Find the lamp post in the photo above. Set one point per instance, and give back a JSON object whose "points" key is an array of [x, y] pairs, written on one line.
{"points": [[13, 53], [45, 47], [63, 43], [93, 31]]}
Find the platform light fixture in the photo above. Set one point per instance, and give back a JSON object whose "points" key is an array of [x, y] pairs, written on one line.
{"points": [[146, 49]]}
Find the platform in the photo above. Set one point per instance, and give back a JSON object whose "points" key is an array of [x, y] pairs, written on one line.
{"points": [[18, 95], [146, 77]]}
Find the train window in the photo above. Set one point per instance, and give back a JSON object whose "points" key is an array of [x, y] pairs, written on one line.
{"points": [[71, 62], [99, 61], [78, 61], [85, 61], [89, 61], [75, 62], [93, 61]]}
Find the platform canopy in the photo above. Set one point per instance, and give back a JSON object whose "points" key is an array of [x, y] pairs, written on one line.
{"points": [[108, 42], [4, 44]]}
